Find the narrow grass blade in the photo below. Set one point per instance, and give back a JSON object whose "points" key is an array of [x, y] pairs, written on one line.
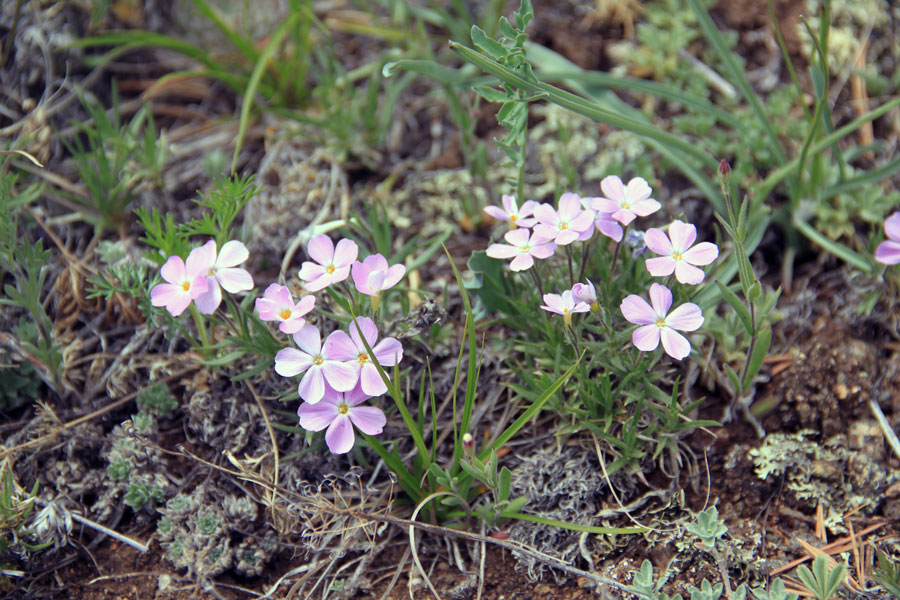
{"points": [[573, 526], [839, 250]]}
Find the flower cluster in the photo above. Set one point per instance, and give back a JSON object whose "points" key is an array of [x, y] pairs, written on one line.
{"points": [[339, 375], [539, 229]]}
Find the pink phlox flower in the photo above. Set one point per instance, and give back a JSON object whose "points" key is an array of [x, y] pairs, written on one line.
{"points": [[604, 221], [564, 304], [350, 349], [332, 263], [585, 292], [888, 251], [678, 254], [372, 275], [339, 412], [524, 246], [319, 366], [277, 304], [658, 323], [623, 202], [512, 214], [567, 224], [184, 284], [220, 269]]}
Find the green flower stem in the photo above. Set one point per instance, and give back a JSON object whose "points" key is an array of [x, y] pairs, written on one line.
{"points": [[201, 327], [573, 526]]}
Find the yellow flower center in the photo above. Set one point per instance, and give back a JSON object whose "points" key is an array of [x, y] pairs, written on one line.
{"points": [[563, 226], [186, 286], [625, 205], [318, 360], [211, 272], [285, 314], [676, 255], [513, 218], [329, 269], [565, 310], [343, 408], [526, 249], [660, 322], [362, 359]]}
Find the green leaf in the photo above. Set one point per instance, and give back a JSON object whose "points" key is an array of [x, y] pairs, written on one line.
{"points": [[495, 49], [760, 349], [490, 94], [739, 307], [505, 481]]}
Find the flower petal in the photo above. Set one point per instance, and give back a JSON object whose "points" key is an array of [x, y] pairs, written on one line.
{"points": [[687, 317], [367, 327], [388, 352], [339, 436], [368, 419], [345, 253], [165, 294], [522, 262], [312, 386], [613, 188], [610, 228], [623, 216], [310, 271], [658, 242], [201, 259], [496, 212], [676, 345], [316, 417], [887, 252], [232, 254], [637, 189], [646, 338], [682, 235], [371, 381], [636, 310], [234, 280], [339, 346], [340, 376], [209, 300], [688, 274], [702, 254], [660, 298], [546, 214], [517, 237], [321, 249], [543, 251], [309, 340], [662, 266], [290, 362], [645, 207], [892, 227], [501, 251], [569, 204], [604, 205], [173, 271], [394, 275]]}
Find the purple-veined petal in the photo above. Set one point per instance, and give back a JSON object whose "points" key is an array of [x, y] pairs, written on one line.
{"points": [[887, 252], [173, 270], [662, 266], [345, 253], [501, 251], [340, 376], [682, 235], [232, 254], [688, 274], [676, 345], [388, 352], [522, 262], [339, 346], [234, 280], [892, 227], [370, 380], [316, 417], [702, 254], [339, 436], [660, 298], [368, 419], [209, 300], [312, 386], [356, 395], [658, 242], [613, 188], [636, 310], [290, 362], [646, 338], [687, 317], [321, 249]]}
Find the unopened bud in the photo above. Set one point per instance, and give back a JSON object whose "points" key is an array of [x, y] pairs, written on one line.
{"points": [[468, 444], [724, 169]]}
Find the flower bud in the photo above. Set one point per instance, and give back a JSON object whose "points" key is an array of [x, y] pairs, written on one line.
{"points": [[468, 444]]}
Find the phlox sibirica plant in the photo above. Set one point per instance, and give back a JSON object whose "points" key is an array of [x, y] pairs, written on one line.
{"points": [[888, 251]]}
